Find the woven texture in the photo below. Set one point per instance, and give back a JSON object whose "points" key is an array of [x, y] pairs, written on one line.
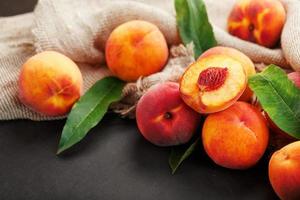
{"points": [[79, 29]]}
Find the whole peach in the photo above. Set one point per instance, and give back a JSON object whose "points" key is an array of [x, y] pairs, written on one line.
{"points": [[134, 49], [50, 83], [237, 137], [284, 171], [259, 21], [163, 118]]}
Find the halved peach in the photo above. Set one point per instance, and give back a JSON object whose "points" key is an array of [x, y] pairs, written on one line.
{"points": [[239, 56], [213, 83]]}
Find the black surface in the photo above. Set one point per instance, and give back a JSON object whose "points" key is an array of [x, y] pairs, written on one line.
{"points": [[113, 162], [14, 7]]}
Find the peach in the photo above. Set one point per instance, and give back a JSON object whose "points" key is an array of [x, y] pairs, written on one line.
{"points": [[213, 83], [240, 57], [50, 83], [134, 49], [237, 137], [163, 118], [284, 171], [259, 21]]}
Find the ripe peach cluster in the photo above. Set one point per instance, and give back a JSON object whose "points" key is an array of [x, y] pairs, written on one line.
{"points": [[235, 133]]}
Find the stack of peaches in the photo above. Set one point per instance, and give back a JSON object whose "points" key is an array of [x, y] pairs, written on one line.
{"points": [[235, 133]]}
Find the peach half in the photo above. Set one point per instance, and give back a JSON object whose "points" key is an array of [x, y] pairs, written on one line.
{"points": [[213, 83], [240, 57], [258, 21], [136, 48], [50, 83]]}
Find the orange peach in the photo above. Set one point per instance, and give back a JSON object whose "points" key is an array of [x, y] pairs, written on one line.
{"points": [[259, 21], [213, 83], [240, 57], [134, 49], [163, 118], [50, 83], [237, 137], [284, 172]]}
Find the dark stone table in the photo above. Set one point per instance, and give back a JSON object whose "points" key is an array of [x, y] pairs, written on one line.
{"points": [[113, 162]]}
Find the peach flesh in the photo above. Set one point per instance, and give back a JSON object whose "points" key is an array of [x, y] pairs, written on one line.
{"points": [[234, 54], [218, 96], [240, 57]]}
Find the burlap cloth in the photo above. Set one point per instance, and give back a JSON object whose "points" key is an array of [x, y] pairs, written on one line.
{"points": [[80, 28]]}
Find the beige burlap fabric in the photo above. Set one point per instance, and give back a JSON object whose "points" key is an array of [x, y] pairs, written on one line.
{"points": [[80, 28]]}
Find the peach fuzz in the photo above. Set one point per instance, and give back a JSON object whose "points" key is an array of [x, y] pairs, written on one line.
{"points": [[50, 83], [213, 83], [163, 118], [134, 49], [237, 137], [258, 21], [240, 57], [284, 172]]}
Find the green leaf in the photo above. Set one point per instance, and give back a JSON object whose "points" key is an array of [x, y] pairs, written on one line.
{"points": [[194, 26], [89, 111], [179, 154], [279, 97]]}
